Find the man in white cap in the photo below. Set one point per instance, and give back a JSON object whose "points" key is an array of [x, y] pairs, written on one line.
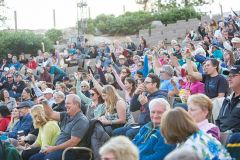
{"points": [[48, 94], [236, 46]]}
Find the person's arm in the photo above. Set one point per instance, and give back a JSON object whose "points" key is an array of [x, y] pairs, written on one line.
{"points": [[156, 63], [195, 75], [121, 111], [49, 112], [118, 79], [96, 84], [135, 104], [175, 90], [36, 89], [74, 141], [145, 66], [116, 68], [84, 98]]}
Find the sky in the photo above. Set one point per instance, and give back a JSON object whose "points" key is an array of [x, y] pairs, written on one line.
{"points": [[38, 14]]}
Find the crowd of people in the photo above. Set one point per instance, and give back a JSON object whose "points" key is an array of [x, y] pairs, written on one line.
{"points": [[177, 101]]}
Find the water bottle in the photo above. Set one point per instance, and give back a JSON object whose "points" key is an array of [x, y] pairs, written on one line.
{"points": [[4, 138]]}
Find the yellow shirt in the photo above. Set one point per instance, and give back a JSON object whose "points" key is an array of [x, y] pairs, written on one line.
{"points": [[48, 134]]}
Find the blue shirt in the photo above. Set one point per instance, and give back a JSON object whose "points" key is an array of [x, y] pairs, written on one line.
{"points": [[167, 86], [24, 124]]}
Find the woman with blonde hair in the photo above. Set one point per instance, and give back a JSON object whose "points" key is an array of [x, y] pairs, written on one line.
{"points": [[119, 148], [178, 127], [200, 109], [117, 113], [48, 133]]}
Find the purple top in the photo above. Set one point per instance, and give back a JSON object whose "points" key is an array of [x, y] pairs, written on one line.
{"points": [[209, 128]]}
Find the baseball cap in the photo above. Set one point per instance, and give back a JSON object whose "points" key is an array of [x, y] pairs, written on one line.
{"points": [[48, 90], [24, 104], [65, 78], [234, 70], [236, 40]]}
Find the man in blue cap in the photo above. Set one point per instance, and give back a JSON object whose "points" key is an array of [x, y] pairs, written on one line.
{"points": [[25, 123]]}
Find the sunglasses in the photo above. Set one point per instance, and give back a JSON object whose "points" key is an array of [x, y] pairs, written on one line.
{"points": [[92, 94], [83, 86]]}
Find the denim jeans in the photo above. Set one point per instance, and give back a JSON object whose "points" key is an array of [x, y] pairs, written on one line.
{"points": [[56, 155], [126, 131]]}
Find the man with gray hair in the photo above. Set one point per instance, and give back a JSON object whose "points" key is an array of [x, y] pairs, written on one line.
{"points": [[73, 123], [168, 84], [149, 140]]}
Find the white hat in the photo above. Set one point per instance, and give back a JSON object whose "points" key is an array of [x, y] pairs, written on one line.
{"points": [[48, 90], [236, 40]]}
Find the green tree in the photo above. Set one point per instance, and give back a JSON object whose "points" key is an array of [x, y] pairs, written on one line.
{"points": [[169, 4], [54, 35]]}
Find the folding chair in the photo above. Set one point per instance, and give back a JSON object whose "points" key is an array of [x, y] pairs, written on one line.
{"points": [[82, 153]]}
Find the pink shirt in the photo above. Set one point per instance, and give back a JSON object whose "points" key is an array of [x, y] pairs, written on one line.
{"points": [[195, 87]]}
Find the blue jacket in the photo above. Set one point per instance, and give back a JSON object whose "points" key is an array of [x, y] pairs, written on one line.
{"points": [[151, 143], [135, 105], [25, 123]]}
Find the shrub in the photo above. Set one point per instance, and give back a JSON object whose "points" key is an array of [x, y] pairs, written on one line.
{"points": [[27, 42]]}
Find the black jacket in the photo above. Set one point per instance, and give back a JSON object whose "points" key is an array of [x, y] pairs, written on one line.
{"points": [[59, 107], [229, 115]]}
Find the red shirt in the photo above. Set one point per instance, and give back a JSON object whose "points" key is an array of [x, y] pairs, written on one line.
{"points": [[32, 64], [4, 121]]}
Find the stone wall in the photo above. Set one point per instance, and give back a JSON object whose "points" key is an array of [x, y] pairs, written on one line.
{"points": [[175, 31]]}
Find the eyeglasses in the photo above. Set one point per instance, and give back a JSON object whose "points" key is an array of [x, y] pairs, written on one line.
{"points": [[233, 75], [83, 86]]}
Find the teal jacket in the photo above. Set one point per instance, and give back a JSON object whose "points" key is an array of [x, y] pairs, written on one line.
{"points": [[151, 143]]}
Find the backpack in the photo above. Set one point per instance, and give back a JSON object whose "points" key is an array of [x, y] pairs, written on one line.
{"points": [[95, 137]]}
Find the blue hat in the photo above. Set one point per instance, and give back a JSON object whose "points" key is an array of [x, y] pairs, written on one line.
{"points": [[24, 104]]}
